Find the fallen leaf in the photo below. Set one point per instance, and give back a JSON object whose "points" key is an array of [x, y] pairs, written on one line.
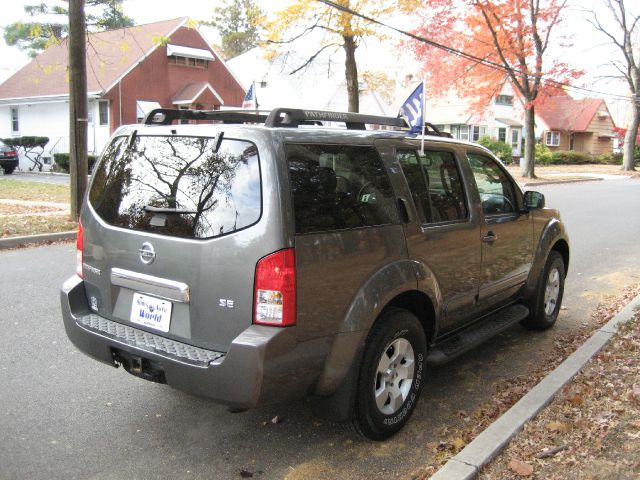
{"points": [[520, 468], [556, 426], [576, 400], [458, 443]]}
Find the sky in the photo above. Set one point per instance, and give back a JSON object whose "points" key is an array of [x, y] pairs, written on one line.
{"points": [[588, 51]]}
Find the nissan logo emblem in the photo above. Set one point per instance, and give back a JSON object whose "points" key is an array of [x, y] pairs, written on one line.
{"points": [[147, 253]]}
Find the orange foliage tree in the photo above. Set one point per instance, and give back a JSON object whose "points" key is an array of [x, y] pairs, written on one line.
{"points": [[507, 40]]}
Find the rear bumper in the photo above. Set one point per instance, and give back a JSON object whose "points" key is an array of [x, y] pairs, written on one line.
{"points": [[8, 162], [262, 365]]}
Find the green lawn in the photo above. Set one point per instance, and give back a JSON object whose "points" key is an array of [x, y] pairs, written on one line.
{"points": [[35, 191]]}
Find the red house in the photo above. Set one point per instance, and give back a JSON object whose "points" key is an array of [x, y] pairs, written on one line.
{"points": [[130, 71]]}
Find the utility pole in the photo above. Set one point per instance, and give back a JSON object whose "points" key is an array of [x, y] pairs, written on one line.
{"points": [[78, 118]]}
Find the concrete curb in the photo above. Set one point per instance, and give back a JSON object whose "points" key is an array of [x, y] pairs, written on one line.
{"points": [[471, 459], [555, 182], [54, 174], [43, 238]]}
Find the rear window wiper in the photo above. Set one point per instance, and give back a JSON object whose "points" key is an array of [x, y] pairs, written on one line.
{"points": [[149, 208]]}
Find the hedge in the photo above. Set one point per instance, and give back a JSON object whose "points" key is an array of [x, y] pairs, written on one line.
{"points": [[500, 149], [62, 160]]}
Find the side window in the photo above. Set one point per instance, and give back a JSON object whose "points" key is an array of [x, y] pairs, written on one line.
{"points": [[337, 187], [443, 200], [414, 173], [496, 190]]}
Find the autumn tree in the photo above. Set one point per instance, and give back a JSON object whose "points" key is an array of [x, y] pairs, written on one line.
{"points": [[336, 29], [37, 34], [625, 38], [238, 22], [504, 40]]}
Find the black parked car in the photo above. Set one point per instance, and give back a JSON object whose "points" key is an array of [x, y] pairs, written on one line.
{"points": [[8, 158]]}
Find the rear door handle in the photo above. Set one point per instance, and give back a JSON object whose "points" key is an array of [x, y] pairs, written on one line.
{"points": [[490, 237]]}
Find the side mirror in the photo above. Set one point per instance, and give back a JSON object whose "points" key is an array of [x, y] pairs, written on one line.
{"points": [[533, 200]]}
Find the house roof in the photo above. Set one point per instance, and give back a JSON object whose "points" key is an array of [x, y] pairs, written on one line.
{"points": [[110, 56], [566, 113], [191, 91]]}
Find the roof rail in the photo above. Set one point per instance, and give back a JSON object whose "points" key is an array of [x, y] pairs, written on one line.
{"points": [[284, 118], [166, 116], [293, 117]]}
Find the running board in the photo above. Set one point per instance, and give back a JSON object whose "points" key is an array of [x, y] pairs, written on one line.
{"points": [[467, 339]]}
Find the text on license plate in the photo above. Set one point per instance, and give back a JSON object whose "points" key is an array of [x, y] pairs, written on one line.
{"points": [[151, 312]]}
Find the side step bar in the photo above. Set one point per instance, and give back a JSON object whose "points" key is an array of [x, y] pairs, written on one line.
{"points": [[467, 339]]}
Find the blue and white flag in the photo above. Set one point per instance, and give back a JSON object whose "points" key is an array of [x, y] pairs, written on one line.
{"points": [[412, 109], [250, 99]]}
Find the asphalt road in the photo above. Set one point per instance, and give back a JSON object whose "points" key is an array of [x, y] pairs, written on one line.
{"points": [[65, 416]]}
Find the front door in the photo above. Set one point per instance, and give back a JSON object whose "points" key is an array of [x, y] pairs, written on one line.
{"points": [[507, 233]]}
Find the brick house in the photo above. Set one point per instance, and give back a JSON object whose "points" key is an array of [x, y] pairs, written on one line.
{"points": [[564, 123], [129, 72]]}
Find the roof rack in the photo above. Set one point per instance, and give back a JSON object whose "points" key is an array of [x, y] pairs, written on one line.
{"points": [[283, 118]]}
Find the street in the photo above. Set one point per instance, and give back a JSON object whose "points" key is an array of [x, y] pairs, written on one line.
{"points": [[66, 416]]}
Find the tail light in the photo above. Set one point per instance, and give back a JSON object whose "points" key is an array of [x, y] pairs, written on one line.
{"points": [[79, 250], [274, 293], [12, 153]]}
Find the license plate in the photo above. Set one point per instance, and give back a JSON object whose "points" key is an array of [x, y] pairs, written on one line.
{"points": [[151, 312]]}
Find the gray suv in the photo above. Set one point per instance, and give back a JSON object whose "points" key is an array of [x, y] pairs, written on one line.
{"points": [[255, 258]]}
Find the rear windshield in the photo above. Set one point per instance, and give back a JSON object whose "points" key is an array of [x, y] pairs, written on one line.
{"points": [[178, 186]]}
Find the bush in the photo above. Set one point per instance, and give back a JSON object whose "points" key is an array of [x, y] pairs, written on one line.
{"points": [[610, 158], [500, 149], [62, 161], [569, 157], [543, 155]]}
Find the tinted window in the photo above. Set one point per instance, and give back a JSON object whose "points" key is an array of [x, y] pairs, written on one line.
{"points": [[445, 200], [415, 175], [336, 187], [178, 186], [496, 191]]}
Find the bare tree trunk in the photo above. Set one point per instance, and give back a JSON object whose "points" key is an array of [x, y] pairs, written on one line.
{"points": [[628, 162], [78, 118], [351, 74], [528, 162]]}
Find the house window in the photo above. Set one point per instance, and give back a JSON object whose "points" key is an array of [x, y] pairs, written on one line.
{"points": [[464, 132], [504, 100], [502, 134], [553, 139], [15, 124], [455, 131], [103, 112], [515, 136], [478, 131], [188, 61]]}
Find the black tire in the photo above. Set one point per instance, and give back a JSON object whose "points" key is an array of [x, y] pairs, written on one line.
{"points": [[544, 311], [9, 170], [393, 333]]}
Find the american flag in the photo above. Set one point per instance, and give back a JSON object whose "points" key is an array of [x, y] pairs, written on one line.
{"points": [[250, 99]]}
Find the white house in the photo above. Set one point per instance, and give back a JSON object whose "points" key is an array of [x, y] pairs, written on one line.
{"points": [[309, 88], [502, 119]]}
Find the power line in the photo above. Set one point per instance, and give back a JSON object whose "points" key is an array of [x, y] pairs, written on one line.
{"points": [[469, 56]]}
